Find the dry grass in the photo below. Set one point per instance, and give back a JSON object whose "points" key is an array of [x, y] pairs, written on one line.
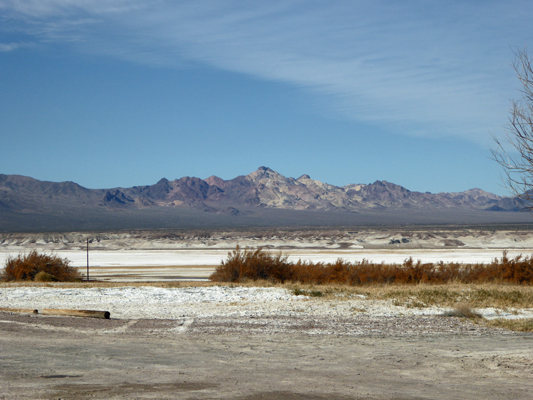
{"points": [[517, 325], [478, 296], [501, 296]]}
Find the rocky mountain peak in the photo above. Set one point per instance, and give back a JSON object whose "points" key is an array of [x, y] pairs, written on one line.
{"points": [[266, 175], [215, 181], [481, 193], [263, 188]]}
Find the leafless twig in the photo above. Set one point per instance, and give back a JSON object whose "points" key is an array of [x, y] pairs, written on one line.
{"points": [[519, 168]]}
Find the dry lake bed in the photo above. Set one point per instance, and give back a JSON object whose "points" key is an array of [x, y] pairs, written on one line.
{"points": [[163, 256], [231, 342]]}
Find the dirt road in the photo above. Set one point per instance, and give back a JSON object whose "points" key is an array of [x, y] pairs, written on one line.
{"points": [[239, 358]]}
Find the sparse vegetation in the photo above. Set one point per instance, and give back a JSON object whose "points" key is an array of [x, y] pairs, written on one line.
{"points": [[463, 310], [503, 297], [249, 264], [40, 268], [304, 292], [298, 292], [517, 325]]}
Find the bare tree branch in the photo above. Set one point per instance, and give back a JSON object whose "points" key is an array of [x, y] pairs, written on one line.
{"points": [[518, 168]]}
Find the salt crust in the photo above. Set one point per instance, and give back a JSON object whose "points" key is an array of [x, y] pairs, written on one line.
{"points": [[169, 303]]}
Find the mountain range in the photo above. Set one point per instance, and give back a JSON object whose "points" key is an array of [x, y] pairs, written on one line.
{"points": [[263, 197]]}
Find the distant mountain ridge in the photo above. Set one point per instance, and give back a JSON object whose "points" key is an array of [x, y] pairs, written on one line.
{"points": [[22, 197], [263, 187]]}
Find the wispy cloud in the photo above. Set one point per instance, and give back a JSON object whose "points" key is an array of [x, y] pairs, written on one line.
{"points": [[417, 68], [7, 47]]}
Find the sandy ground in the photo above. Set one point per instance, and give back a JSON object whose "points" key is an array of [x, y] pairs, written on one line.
{"points": [[250, 343], [211, 358]]}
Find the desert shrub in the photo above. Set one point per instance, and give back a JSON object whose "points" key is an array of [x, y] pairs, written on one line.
{"points": [[26, 267], [44, 277], [249, 264]]}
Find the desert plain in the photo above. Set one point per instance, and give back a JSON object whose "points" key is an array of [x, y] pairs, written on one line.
{"points": [[172, 334], [194, 254]]}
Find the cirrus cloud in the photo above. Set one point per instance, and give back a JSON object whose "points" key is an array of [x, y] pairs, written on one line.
{"points": [[415, 68]]}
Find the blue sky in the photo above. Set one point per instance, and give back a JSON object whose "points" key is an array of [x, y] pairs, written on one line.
{"points": [[124, 92]]}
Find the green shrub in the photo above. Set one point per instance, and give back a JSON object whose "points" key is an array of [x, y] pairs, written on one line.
{"points": [[26, 267]]}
